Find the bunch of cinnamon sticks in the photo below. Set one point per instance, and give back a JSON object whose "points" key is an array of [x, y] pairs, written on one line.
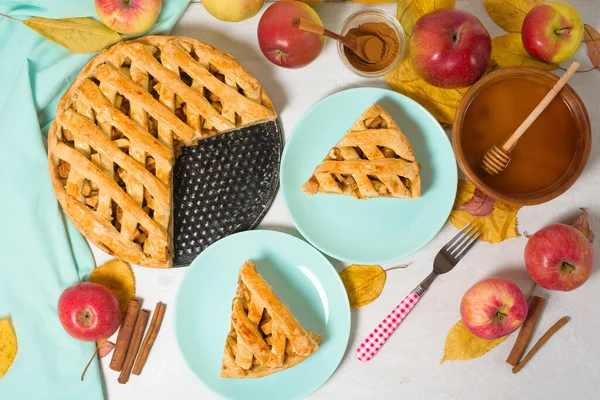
{"points": [[536, 305], [129, 347]]}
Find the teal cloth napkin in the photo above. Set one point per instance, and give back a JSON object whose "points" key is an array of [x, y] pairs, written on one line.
{"points": [[41, 253]]}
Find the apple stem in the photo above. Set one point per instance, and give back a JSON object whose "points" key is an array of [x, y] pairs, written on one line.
{"points": [[567, 267], [9, 17], [397, 267], [531, 290], [561, 31], [89, 362]]}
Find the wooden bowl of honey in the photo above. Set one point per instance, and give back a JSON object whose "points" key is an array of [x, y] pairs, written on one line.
{"points": [[548, 158]]}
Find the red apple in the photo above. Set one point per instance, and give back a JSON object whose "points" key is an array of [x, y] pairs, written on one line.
{"points": [[128, 16], [559, 257], [281, 42], [493, 307], [450, 48], [552, 31], [89, 311]]}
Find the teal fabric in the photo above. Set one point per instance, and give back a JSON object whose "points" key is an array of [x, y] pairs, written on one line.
{"points": [[41, 253]]}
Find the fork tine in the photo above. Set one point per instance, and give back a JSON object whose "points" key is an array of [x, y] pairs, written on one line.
{"points": [[456, 238], [458, 243], [468, 245]]}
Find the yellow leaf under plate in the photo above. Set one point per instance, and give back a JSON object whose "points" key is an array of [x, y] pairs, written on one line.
{"points": [[409, 11], [508, 51], [461, 344], [8, 346], [497, 221], [441, 103], [363, 283], [509, 14], [80, 35], [118, 277]]}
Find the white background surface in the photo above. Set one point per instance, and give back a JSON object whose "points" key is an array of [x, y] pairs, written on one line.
{"points": [[408, 366]]}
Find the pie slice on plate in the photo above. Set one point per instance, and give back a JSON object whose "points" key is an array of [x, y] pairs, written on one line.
{"points": [[119, 127], [265, 337], [373, 159]]}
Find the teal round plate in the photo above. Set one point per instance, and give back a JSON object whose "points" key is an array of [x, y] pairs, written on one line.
{"points": [[299, 275], [373, 231]]}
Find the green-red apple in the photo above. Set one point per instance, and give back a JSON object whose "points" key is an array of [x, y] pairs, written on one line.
{"points": [[493, 307], [552, 31], [450, 48], [233, 10], [281, 42], [128, 16]]}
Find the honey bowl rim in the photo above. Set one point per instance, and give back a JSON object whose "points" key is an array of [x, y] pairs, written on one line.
{"points": [[579, 162]]}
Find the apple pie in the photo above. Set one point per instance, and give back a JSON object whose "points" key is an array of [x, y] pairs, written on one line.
{"points": [[120, 125], [265, 337], [373, 159]]}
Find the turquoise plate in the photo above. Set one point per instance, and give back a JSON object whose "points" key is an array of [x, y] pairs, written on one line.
{"points": [[374, 231], [300, 276]]}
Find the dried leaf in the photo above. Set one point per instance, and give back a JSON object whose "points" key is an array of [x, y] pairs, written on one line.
{"points": [[497, 226], [104, 348], [8, 346], [508, 51], [480, 205], [363, 283], [592, 42], [118, 277], [509, 14], [80, 35], [461, 344], [582, 224], [409, 11], [441, 103]]}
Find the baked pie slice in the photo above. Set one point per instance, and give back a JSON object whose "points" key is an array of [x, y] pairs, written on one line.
{"points": [[265, 337], [373, 159], [120, 125]]}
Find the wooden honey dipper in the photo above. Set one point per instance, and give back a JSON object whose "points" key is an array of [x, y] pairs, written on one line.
{"points": [[497, 158]]}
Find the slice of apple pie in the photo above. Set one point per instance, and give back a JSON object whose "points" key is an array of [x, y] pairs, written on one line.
{"points": [[265, 337], [373, 159]]}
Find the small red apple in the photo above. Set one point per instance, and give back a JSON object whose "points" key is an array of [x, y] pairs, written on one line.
{"points": [[89, 311], [493, 308], [282, 43], [552, 31], [128, 16], [559, 257], [450, 48]]}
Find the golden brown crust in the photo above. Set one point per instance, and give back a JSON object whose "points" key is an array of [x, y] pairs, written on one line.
{"points": [[112, 145], [373, 159], [265, 337]]}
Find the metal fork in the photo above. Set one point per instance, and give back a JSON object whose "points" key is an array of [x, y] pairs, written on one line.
{"points": [[444, 261]]}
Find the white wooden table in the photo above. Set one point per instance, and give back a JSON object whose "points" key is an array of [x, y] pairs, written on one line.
{"points": [[408, 367]]}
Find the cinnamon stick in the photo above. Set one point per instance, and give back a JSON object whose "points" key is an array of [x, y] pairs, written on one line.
{"points": [[559, 324], [124, 336], [157, 318], [535, 311], [134, 346]]}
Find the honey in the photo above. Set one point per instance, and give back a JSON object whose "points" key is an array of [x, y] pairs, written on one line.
{"points": [[543, 155]]}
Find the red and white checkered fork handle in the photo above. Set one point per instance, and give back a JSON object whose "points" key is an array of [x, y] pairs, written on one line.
{"points": [[372, 343]]}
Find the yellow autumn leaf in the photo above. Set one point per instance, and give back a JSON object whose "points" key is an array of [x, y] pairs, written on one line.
{"points": [[497, 221], [363, 283], [409, 11], [509, 14], [8, 346], [441, 103], [373, 1], [508, 51], [118, 277], [461, 344], [80, 35]]}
